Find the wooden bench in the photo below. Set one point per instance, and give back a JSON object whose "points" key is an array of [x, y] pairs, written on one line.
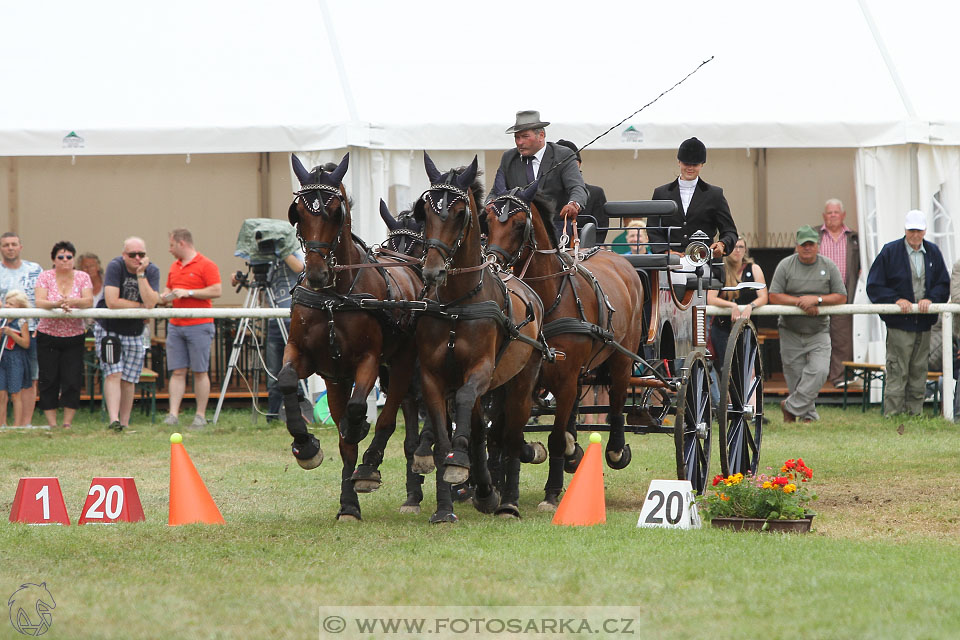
{"points": [[867, 373]]}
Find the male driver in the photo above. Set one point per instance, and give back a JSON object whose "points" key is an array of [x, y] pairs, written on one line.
{"points": [[908, 270], [700, 206], [839, 243], [809, 281], [535, 158], [193, 281], [21, 274], [130, 282]]}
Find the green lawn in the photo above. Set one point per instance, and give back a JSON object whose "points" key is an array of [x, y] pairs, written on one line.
{"points": [[882, 560]]}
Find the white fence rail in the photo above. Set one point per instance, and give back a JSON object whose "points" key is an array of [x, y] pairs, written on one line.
{"points": [[946, 310]]}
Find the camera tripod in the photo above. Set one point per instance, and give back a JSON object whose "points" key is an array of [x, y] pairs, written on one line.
{"points": [[256, 290]]}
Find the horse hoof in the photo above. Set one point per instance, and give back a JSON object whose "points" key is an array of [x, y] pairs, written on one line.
{"points": [[539, 453], [571, 446], [508, 512], [410, 509], [546, 507], [570, 463], [309, 455], [354, 434], [444, 517], [487, 504], [346, 517], [422, 465], [619, 460], [366, 479], [455, 474]]}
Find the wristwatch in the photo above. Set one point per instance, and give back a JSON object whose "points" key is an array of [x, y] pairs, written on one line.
{"points": [[141, 275], [190, 293], [819, 300]]}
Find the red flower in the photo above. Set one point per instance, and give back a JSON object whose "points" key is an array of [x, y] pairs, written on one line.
{"points": [[717, 479], [780, 481], [790, 464]]}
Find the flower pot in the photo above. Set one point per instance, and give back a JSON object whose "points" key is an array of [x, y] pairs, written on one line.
{"points": [[757, 524]]}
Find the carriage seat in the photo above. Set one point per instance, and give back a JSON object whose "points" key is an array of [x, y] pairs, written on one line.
{"points": [[588, 236], [652, 260]]}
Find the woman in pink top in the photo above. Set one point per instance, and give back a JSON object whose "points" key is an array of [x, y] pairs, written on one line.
{"points": [[60, 340]]}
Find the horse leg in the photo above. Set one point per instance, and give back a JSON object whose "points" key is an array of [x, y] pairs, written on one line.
{"points": [[618, 452], [435, 425], [411, 422], [349, 502], [444, 512], [306, 448], [516, 413], [485, 497], [367, 476], [354, 426], [559, 442], [457, 463]]}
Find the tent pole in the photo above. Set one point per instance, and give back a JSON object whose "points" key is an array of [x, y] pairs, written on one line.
{"points": [[13, 215], [914, 175], [263, 173], [760, 197]]}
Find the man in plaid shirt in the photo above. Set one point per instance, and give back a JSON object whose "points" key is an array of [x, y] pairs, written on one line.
{"points": [[840, 244]]}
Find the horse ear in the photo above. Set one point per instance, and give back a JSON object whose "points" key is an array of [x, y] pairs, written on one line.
{"points": [[419, 213], [337, 174], [432, 172], [387, 217], [527, 194], [465, 179], [292, 214], [484, 227], [302, 174]]}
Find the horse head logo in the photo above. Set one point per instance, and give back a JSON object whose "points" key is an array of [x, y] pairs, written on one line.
{"points": [[30, 608]]}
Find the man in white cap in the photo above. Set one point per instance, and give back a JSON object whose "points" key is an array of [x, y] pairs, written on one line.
{"points": [[907, 271]]}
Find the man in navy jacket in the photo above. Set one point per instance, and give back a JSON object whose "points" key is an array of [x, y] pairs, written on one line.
{"points": [[907, 271]]}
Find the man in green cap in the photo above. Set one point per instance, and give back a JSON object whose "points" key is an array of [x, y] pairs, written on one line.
{"points": [[809, 281]]}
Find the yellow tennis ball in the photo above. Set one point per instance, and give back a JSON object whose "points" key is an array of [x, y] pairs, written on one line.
{"points": [[595, 438], [176, 438]]}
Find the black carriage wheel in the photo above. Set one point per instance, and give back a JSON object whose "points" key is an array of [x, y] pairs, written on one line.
{"points": [[691, 431], [741, 401]]}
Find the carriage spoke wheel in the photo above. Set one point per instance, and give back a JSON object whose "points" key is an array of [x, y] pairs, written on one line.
{"points": [[741, 401], [692, 428]]}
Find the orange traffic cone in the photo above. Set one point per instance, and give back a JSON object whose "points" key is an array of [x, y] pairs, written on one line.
{"points": [[583, 503], [189, 499]]}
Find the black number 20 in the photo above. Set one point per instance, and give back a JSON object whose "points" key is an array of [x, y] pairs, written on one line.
{"points": [[674, 510]]}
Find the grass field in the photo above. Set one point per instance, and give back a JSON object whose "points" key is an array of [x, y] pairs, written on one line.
{"points": [[882, 561]]}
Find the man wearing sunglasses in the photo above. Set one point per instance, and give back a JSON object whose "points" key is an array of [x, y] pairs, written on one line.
{"points": [[131, 282]]}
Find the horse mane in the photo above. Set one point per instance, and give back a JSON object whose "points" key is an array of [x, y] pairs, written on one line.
{"points": [[547, 209]]}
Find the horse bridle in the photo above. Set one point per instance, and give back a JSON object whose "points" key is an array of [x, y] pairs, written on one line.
{"points": [[403, 239], [318, 207], [503, 214], [443, 212]]}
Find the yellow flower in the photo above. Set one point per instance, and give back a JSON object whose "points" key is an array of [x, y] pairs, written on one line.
{"points": [[790, 488], [768, 485]]}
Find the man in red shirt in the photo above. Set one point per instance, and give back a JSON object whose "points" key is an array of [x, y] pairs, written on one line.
{"points": [[193, 281]]}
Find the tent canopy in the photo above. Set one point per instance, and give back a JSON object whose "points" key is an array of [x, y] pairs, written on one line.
{"points": [[188, 77]]}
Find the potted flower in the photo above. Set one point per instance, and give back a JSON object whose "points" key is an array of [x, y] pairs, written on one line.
{"points": [[763, 502]]}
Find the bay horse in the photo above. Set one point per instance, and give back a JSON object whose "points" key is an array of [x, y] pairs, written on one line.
{"points": [[478, 333], [594, 300], [332, 334]]}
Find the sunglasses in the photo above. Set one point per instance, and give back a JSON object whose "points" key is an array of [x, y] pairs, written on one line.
{"points": [[137, 254], [64, 256]]}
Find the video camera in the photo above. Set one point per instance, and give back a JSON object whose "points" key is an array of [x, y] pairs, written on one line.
{"points": [[262, 243]]}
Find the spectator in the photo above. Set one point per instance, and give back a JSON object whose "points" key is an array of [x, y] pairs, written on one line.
{"points": [[700, 206], [90, 263], [638, 242], [132, 282], [906, 271], [281, 279], [60, 340], [806, 280], [14, 361], [193, 281], [596, 198], [22, 274], [737, 268], [534, 158], [839, 243]]}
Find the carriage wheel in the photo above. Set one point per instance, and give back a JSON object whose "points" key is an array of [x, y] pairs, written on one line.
{"points": [[692, 428], [741, 401]]}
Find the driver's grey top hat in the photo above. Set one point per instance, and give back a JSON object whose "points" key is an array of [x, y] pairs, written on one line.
{"points": [[527, 120]]}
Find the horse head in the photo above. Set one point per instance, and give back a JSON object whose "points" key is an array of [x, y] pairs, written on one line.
{"points": [[321, 214], [406, 232], [447, 210], [509, 222]]}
